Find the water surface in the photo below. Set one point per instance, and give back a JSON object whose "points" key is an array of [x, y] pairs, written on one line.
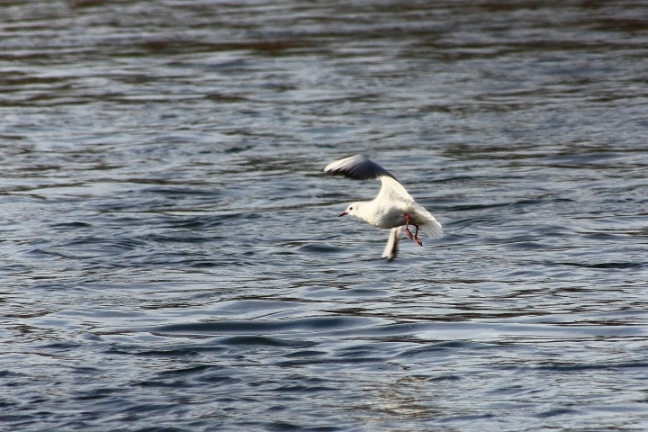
{"points": [[170, 253]]}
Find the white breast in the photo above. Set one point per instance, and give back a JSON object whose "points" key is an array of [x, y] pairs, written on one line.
{"points": [[384, 217]]}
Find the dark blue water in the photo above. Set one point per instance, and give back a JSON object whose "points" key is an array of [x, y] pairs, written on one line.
{"points": [[170, 255]]}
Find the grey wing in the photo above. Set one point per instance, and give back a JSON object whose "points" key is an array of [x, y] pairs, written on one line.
{"points": [[358, 167]]}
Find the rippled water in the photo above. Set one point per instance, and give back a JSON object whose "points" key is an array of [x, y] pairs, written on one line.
{"points": [[171, 257]]}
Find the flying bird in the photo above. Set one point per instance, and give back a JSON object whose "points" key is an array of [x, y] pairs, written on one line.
{"points": [[393, 208]]}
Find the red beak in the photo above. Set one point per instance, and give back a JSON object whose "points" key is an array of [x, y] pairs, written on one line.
{"points": [[343, 214]]}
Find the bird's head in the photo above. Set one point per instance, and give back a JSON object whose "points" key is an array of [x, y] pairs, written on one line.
{"points": [[351, 210]]}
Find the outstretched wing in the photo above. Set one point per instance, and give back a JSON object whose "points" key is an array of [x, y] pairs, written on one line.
{"points": [[393, 191], [358, 167]]}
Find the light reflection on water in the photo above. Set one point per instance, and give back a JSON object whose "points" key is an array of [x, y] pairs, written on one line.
{"points": [[170, 252]]}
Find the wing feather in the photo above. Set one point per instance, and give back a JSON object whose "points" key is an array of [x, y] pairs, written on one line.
{"points": [[358, 167], [391, 189]]}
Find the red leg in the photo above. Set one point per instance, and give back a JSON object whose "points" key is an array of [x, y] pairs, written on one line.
{"points": [[407, 224], [416, 237], [409, 233]]}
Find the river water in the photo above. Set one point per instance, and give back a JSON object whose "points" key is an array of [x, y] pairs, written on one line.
{"points": [[171, 259]]}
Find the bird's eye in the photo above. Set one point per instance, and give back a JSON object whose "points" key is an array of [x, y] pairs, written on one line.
{"points": [[350, 208]]}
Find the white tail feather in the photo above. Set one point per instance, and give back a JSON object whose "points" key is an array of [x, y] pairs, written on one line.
{"points": [[430, 225], [432, 228]]}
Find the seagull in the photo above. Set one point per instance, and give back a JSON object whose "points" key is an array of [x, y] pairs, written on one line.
{"points": [[392, 209]]}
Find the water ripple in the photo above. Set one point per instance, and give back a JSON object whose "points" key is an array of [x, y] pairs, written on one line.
{"points": [[170, 252]]}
